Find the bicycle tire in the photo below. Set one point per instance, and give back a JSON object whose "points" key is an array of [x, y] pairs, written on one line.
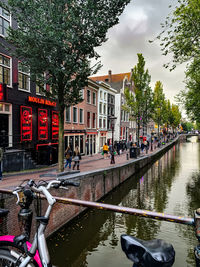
{"points": [[13, 252], [6, 259]]}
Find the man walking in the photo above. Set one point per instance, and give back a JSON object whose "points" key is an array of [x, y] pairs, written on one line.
{"points": [[1, 159]]}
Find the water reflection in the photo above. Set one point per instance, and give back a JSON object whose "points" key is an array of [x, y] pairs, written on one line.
{"points": [[169, 186]]}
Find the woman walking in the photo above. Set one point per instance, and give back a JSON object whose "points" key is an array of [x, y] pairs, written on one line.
{"points": [[68, 156], [76, 158]]}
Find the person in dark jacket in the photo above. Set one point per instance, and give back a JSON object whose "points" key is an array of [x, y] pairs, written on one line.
{"points": [[68, 156]]}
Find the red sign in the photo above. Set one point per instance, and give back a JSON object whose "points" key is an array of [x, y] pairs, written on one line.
{"points": [[42, 124], [55, 125], [2, 92], [26, 123], [41, 101]]}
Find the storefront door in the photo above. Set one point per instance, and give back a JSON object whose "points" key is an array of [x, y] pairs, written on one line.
{"points": [[4, 133]]}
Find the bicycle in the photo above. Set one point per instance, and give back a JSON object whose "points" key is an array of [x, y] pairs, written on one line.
{"points": [[16, 251]]}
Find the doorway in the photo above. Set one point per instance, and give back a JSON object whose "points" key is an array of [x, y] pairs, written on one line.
{"points": [[4, 130]]}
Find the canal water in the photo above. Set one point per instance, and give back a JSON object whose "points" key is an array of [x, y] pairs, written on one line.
{"points": [[171, 185]]}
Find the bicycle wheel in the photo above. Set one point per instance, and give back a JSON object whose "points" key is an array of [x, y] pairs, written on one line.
{"points": [[6, 259], [12, 258]]}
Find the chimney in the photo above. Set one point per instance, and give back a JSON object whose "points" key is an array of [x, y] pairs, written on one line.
{"points": [[110, 76]]}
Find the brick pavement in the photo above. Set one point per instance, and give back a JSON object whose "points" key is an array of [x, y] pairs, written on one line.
{"points": [[88, 163]]}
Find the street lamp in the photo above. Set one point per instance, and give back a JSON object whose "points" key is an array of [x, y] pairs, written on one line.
{"points": [[112, 119]]}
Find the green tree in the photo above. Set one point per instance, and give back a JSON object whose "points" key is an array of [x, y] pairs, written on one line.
{"points": [[58, 37], [175, 117], [139, 102], [180, 35], [159, 105]]}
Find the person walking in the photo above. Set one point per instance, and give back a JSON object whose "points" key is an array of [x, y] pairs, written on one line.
{"points": [[76, 158], [105, 150], [68, 156], [1, 159]]}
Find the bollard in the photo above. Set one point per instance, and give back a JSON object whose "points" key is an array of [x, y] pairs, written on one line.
{"points": [[127, 156]]}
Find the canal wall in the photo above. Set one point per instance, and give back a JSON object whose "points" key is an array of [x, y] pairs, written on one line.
{"points": [[94, 185]]}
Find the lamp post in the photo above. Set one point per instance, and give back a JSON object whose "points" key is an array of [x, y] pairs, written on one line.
{"points": [[112, 119]]}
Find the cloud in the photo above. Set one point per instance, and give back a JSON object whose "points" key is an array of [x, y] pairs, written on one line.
{"points": [[140, 23]]}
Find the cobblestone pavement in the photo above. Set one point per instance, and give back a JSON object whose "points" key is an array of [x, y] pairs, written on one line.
{"points": [[87, 163]]}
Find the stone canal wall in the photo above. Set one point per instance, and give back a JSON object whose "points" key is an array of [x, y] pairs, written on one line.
{"points": [[94, 185]]}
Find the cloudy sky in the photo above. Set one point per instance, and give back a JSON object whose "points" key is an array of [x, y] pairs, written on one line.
{"points": [[139, 23]]}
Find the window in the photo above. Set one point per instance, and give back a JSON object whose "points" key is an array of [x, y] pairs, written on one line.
{"points": [[81, 93], [23, 77], [104, 109], [94, 121], [100, 108], [94, 98], [5, 70], [112, 99], [68, 114], [104, 96], [100, 123], [75, 119], [122, 115], [104, 123], [81, 115], [88, 96], [101, 95], [4, 21], [112, 111], [88, 119], [109, 97]]}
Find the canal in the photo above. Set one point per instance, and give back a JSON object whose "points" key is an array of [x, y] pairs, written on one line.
{"points": [[171, 185]]}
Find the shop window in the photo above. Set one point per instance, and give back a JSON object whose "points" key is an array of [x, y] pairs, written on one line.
{"points": [[7, 107], [81, 115], [23, 77], [94, 120], [88, 119], [68, 114], [5, 70], [5, 21], [75, 119], [94, 98], [89, 96]]}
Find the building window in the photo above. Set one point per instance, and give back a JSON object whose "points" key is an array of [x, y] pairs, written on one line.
{"points": [[5, 70], [104, 123], [104, 96], [104, 109], [81, 115], [94, 121], [94, 98], [112, 111], [109, 97], [23, 77], [81, 93], [88, 96], [100, 123], [100, 108], [112, 99], [75, 117], [101, 95], [68, 114], [4, 21], [88, 120]]}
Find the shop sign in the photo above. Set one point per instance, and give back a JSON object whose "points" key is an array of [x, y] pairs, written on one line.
{"points": [[55, 125], [26, 123], [41, 101], [42, 124], [2, 92]]}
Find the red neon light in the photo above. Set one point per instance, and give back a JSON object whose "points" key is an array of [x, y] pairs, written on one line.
{"points": [[38, 145], [26, 123], [41, 101], [55, 125], [42, 124], [2, 92]]}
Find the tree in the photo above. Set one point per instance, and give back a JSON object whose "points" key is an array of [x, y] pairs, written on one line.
{"points": [[180, 35], [175, 118], [159, 105], [139, 102], [58, 37]]}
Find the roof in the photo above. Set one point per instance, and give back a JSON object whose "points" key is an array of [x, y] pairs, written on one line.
{"points": [[115, 77]]}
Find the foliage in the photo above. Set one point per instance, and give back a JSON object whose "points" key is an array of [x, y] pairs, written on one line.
{"points": [[58, 37], [180, 35], [139, 104], [159, 105], [187, 126], [175, 117]]}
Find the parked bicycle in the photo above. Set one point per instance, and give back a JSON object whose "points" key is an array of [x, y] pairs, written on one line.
{"points": [[16, 251]]}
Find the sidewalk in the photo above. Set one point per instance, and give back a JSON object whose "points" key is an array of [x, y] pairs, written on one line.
{"points": [[87, 163]]}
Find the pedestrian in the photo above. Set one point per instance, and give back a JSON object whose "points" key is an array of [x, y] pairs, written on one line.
{"points": [[77, 157], [68, 156], [118, 148], [1, 160], [105, 150]]}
